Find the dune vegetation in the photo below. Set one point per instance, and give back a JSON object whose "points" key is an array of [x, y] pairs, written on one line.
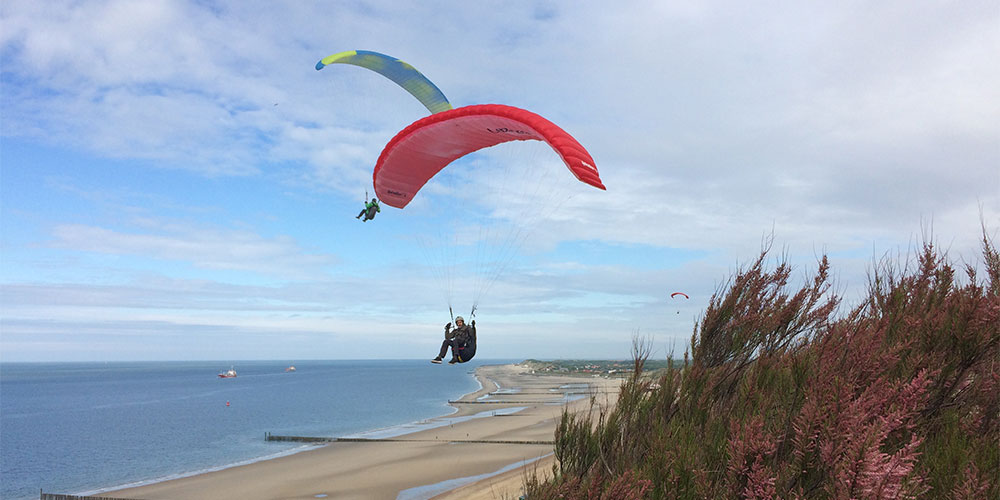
{"points": [[787, 393]]}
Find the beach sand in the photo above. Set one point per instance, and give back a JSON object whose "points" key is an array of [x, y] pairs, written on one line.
{"points": [[435, 463]]}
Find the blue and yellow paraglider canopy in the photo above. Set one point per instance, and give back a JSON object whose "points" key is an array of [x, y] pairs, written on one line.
{"points": [[403, 74]]}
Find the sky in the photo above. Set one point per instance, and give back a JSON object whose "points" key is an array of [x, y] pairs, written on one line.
{"points": [[178, 182]]}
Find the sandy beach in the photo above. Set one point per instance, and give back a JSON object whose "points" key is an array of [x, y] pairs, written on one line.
{"points": [[515, 415]]}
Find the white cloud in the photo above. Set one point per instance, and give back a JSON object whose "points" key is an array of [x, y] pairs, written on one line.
{"points": [[203, 248]]}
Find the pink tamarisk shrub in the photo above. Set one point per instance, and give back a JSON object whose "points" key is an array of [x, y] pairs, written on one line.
{"points": [[749, 446], [783, 396]]}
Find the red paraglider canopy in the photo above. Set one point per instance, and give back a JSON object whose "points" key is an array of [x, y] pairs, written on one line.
{"points": [[421, 150], [679, 293]]}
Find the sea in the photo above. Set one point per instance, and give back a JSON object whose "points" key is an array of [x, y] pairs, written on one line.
{"points": [[89, 428]]}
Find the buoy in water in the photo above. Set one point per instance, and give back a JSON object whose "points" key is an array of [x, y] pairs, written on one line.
{"points": [[227, 403]]}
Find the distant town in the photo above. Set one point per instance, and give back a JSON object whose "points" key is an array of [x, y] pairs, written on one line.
{"points": [[597, 368]]}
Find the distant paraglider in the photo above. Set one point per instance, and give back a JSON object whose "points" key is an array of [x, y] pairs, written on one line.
{"points": [[404, 75], [679, 294]]}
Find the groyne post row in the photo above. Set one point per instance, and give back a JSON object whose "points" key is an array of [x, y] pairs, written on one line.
{"points": [[310, 439], [502, 402], [56, 496]]}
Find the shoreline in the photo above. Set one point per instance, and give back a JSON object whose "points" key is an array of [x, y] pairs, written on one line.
{"points": [[378, 433], [432, 458]]}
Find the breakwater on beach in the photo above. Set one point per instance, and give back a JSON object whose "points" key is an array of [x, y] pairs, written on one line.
{"points": [[58, 496], [307, 439]]}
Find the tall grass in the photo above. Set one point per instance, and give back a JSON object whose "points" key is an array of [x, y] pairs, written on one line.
{"points": [[786, 396]]}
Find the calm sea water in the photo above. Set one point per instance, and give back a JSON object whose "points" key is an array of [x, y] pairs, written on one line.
{"points": [[86, 427]]}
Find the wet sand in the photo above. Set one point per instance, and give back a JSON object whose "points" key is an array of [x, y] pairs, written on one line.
{"points": [[458, 460]]}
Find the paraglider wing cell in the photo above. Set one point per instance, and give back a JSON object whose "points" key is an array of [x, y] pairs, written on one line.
{"points": [[403, 74], [421, 150]]}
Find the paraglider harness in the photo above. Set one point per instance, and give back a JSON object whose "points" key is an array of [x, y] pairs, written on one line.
{"points": [[465, 345], [371, 208]]}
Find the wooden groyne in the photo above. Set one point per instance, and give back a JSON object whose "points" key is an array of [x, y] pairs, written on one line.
{"points": [[311, 439], [550, 393], [56, 496], [502, 402], [299, 439]]}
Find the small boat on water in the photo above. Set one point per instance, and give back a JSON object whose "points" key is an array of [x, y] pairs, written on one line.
{"points": [[290, 369], [230, 373]]}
